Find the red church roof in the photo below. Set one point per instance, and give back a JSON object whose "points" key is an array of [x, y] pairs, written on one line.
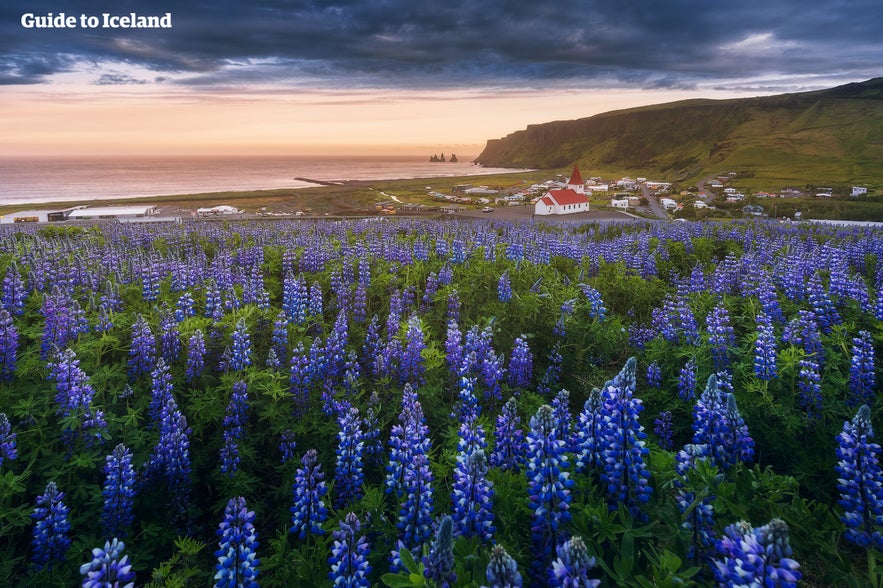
{"points": [[575, 178], [564, 197]]}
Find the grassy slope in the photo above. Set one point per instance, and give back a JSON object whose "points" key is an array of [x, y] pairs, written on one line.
{"points": [[833, 136]]}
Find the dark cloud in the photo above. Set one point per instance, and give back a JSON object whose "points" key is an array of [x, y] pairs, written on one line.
{"points": [[509, 43], [113, 79]]}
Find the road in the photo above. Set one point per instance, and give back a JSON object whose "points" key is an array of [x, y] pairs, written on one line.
{"points": [[653, 201]]}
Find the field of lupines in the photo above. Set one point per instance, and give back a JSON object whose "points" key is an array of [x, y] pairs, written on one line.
{"points": [[433, 403]]}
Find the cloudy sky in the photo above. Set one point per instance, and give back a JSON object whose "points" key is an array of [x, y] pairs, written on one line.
{"points": [[396, 76]]}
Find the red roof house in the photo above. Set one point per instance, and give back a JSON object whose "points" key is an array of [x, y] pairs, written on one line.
{"points": [[561, 202]]}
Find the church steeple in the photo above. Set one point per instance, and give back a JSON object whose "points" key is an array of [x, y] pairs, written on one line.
{"points": [[576, 181]]}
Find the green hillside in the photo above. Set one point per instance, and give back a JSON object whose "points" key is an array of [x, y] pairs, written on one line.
{"points": [[828, 136]]}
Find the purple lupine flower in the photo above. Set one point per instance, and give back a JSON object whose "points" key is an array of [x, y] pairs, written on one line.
{"points": [[142, 353], [520, 365], [237, 550], [587, 440], [160, 390], [360, 303], [308, 512], [440, 561], [65, 320], [349, 556], [765, 349], [720, 337], [50, 539], [214, 306], [8, 345], [415, 512], [509, 444], [454, 348], [8, 449], [756, 557], [453, 309], [429, 292], [504, 288], [654, 375], [13, 293], [563, 418], [287, 445], [502, 570], [822, 306], [718, 425], [109, 567], [552, 376], [566, 310], [348, 473], [699, 519], [597, 310], [315, 307], [548, 485], [408, 437], [295, 298], [235, 420], [623, 448], [300, 377], [862, 379], [279, 339], [472, 495], [184, 307], [809, 386], [687, 381], [492, 374], [74, 395], [372, 346], [572, 567], [804, 332], [117, 514], [241, 352], [169, 463], [373, 451], [169, 338], [663, 431], [412, 368], [195, 356], [860, 481]]}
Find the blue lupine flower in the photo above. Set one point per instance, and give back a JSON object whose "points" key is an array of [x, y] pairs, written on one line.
{"points": [[235, 420], [169, 338], [756, 557], [548, 485], [295, 299], [720, 337], [7, 440], [597, 310], [862, 379], [502, 570], [415, 512], [810, 388], [184, 307], [439, 564], [509, 444], [453, 309], [117, 514], [287, 445], [238, 563], [520, 365], [687, 381], [279, 340], [765, 349], [349, 556], [804, 332], [160, 390], [860, 481], [699, 521], [407, 438], [623, 448], [654, 375], [348, 473], [300, 377], [504, 288], [662, 430], [50, 538], [13, 292], [473, 496], [587, 438], [572, 567], [454, 348], [308, 512], [195, 356], [821, 303], [552, 376], [411, 367], [8, 345], [563, 419], [74, 395], [241, 357], [718, 425], [169, 463], [142, 353], [492, 373], [213, 307], [109, 567], [315, 306]]}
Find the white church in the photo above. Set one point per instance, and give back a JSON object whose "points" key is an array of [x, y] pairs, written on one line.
{"points": [[569, 200]]}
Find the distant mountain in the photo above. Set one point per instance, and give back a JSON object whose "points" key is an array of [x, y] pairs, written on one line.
{"points": [[831, 135]]}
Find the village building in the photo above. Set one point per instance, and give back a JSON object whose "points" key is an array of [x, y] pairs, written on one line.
{"points": [[859, 191], [569, 200]]}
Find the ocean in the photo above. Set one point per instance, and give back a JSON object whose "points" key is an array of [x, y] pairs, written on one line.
{"points": [[34, 180]]}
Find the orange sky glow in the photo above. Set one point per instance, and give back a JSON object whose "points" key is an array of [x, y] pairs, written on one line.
{"points": [[61, 119]]}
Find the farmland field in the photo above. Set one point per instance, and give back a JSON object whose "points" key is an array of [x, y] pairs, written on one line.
{"points": [[441, 403]]}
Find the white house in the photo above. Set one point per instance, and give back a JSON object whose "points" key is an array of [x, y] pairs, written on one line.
{"points": [[561, 202], [668, 203], [622, 203], [32, 216], [858, 191], [105, 212], [699, 204]]}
